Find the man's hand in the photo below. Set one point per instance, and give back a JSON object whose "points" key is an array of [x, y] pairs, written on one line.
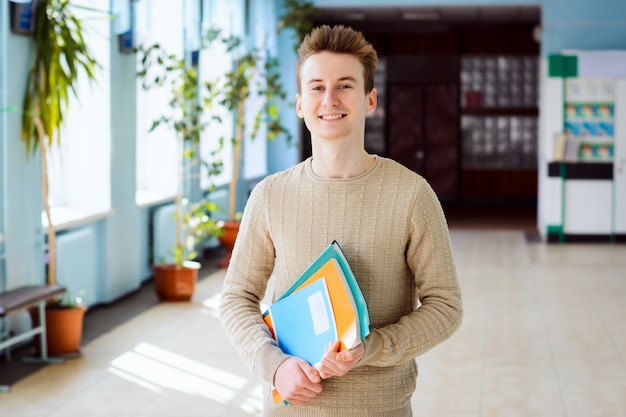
{"points": [[335, 363], [297, 381]]}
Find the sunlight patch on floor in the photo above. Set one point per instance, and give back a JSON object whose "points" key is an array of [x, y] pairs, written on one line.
{"points": [[254, 403], [212, 305], [156, 369]]}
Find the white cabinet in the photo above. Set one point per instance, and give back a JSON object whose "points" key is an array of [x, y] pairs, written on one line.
{"points": [[589, 207], [619, 160]]}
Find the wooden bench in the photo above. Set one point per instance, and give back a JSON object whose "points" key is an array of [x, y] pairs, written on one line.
{"points": [[20, 299]]}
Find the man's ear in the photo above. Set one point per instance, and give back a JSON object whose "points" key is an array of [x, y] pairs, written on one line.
{"points": [[299, 106], [372, 101]]}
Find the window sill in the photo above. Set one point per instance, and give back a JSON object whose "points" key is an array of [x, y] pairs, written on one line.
{"points": [[145, 198], [66, 217]]}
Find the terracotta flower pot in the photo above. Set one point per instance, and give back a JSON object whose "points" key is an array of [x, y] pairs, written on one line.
{"points": [[175, 283], [230, 230], [64, 329]]}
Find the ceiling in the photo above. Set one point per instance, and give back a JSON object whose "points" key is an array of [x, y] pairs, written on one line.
{"points": [[430, 16]]}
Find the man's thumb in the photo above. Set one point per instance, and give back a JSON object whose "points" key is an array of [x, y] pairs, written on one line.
{"points": [[311, 373]]}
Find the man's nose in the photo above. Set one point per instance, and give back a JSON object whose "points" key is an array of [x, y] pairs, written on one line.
{"points": [[330, 98]]}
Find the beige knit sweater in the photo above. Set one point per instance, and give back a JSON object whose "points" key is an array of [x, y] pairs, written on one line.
{"points": [[392, 229]]}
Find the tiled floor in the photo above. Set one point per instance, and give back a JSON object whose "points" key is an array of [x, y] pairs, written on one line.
{"points": [[544, 335]]}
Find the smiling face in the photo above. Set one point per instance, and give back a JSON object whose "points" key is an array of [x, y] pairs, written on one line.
{"points": [[332, 98]]}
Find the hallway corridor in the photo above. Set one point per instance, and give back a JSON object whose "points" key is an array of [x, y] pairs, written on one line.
{"points": [[543, 335]]}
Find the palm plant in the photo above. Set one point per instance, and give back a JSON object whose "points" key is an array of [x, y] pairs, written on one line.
{"points": [[61, 56]]}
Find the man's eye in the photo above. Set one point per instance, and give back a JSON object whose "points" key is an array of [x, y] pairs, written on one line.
{"points": [[345, 86], [317, 88]]}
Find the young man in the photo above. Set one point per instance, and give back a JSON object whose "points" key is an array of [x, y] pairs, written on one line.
{"points": [[387, 220]]}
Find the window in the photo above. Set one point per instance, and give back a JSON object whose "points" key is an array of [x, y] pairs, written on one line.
{"points": [[214, 62], [79, 168], [158, 21], [255, 151], [499, 102]]}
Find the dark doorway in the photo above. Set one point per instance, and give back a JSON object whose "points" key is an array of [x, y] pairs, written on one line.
{"points": [[423, 118], [423, 124]]}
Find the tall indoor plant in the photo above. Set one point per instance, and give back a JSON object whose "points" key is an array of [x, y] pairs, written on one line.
{"points": [[253, 74], [194, 220], [61, 56]]}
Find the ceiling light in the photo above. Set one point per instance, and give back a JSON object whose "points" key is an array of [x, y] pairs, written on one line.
{"points": [[420, 16], [355, 16]]}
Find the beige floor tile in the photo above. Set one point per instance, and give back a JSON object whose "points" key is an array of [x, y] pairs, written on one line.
{"points": [[543, 335]]}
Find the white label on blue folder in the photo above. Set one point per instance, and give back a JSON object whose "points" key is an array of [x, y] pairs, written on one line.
{"points": [[321, 322]]}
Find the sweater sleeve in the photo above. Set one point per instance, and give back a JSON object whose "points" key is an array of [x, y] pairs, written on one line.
{"points": [[439, 308], [244, 287]]}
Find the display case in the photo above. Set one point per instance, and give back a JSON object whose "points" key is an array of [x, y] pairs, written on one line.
{"points": [[586, 155]]}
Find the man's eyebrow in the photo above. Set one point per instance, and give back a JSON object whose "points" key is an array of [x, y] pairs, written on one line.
{"points": [[342, 79]]}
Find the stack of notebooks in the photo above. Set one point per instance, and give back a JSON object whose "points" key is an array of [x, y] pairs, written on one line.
{"points": [[325, 304]]}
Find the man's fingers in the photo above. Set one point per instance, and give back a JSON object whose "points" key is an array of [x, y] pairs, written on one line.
{"points": [[356, 352], [313, 375], [297, 381]]}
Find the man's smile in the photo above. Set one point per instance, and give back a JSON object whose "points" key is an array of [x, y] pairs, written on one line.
{"points": [[332, 116]]}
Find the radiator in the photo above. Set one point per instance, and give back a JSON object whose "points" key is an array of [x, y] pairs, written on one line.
{"points": [[163, 234], [77, 263]]}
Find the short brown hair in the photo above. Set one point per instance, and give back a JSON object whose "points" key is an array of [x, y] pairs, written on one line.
{"points": [[339, 40]]}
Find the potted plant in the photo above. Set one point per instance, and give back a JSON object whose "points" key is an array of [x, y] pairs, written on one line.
{"points": [[176, 281], [254, 73], [235, 90], [64, 324], [194, 222], [60, 56]]}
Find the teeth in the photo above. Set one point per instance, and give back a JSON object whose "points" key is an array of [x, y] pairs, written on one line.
{"points": [[332, 116]]}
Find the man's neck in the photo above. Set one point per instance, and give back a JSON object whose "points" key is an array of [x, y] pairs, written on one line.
{"points": [[336, 162]]}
